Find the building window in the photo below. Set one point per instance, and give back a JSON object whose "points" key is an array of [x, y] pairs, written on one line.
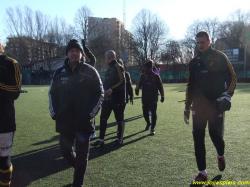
{"points": [[109, 36], [108, 22]]}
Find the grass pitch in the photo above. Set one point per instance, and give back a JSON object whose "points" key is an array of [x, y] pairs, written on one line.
{"points": [[164, 160]]}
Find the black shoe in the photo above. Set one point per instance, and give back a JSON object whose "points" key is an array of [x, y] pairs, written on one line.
{"points": [[152, 132], [147, 127], [221, 163], [118, 143], [98, 142]]}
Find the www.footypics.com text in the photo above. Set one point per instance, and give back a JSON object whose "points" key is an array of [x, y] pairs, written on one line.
{"points": [[222, 183]]}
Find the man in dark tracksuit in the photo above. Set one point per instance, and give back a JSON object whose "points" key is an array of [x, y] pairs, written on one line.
{"points": [[150, 83], [211, 84], [129, 88], [10, 86], [75, 96], [114, 86]]}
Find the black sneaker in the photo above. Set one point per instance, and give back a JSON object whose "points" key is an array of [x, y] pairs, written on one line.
{"points": [[152, 132], [118, 143], [147, 127], [221, 163], [98, 142], [200, 178]]}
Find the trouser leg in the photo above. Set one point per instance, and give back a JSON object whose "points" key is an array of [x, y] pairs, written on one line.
{"points": [[145, 109], [153, 109], [199, 126], [6, 169], [107, 107], [81, 159], [119, 116], [216, 131], [66, 142]]}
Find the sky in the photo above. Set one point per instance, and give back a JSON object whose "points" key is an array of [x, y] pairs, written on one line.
{"points": [[178, 14]]}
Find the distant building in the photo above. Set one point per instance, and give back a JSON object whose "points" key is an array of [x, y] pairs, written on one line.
{"points": [[27, 50], [120, 39]]}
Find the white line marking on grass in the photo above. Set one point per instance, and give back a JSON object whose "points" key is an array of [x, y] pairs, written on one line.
{"points": [[42, 90]]}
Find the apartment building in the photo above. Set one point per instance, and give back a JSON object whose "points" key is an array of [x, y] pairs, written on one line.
{"points": [[27, 50], [119, 39]]}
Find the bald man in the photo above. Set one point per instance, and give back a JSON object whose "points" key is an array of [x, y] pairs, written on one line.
{"points": [[114, 86]]}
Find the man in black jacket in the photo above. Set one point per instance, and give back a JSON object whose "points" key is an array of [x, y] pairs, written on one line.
{"points": [[211, 84], [10, 87], [150, 82], [129, 88], [114, 86], [75, 95]]}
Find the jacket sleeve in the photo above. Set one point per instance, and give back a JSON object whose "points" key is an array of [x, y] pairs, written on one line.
{"points": [[190, 87], [97, 93], [90, 55], [10, 79], [138, 84], [53, 96], [119, 77], [230, 76], [129, 88], [160, 85]]}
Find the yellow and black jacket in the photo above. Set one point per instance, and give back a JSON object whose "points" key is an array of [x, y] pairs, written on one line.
{"points": [[10, 86], [115, 79], [210, 75], [129, 88]]}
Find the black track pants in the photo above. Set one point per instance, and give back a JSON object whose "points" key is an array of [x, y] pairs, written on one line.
{"points": [[146, 107], [215, 119], [79, 161], [107, 108]]}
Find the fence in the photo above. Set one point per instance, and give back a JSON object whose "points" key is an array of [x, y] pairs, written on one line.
{"points": [[38, 77]]}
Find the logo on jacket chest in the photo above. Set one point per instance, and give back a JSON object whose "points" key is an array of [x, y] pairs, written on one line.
{"points": [[204, 71], [64, 79]]}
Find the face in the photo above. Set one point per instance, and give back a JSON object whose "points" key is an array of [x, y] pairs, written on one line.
{"points": [[74, 55], [203, 43]]}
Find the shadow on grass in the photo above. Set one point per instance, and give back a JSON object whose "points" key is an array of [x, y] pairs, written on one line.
{"points": [[125, 120], [96, 152], [209, 183], [43, 162], [37, 164]]}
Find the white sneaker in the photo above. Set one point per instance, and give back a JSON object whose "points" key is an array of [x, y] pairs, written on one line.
{"points": [[93, 135]]}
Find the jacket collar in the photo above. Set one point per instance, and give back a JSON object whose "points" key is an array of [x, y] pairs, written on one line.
{"points": [[113, 62], [66, 63]]}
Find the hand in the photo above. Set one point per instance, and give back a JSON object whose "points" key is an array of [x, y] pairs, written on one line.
{"points": [[131, 102], [225, 102], [107, 93], [137, 92], [162, 99], [54, 117], [186, 116]]}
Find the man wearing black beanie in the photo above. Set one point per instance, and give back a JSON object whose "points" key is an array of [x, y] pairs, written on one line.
{"points": [[75, 97]]}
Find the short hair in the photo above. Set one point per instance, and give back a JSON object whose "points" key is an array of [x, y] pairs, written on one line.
{"points": [[203, 33]]}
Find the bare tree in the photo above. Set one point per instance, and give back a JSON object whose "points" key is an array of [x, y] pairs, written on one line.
{"points": [[149, 33], [232, 29], [82, 22]]}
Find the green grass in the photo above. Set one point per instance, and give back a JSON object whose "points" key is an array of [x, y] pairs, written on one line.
{"points": [[166, 159]]}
